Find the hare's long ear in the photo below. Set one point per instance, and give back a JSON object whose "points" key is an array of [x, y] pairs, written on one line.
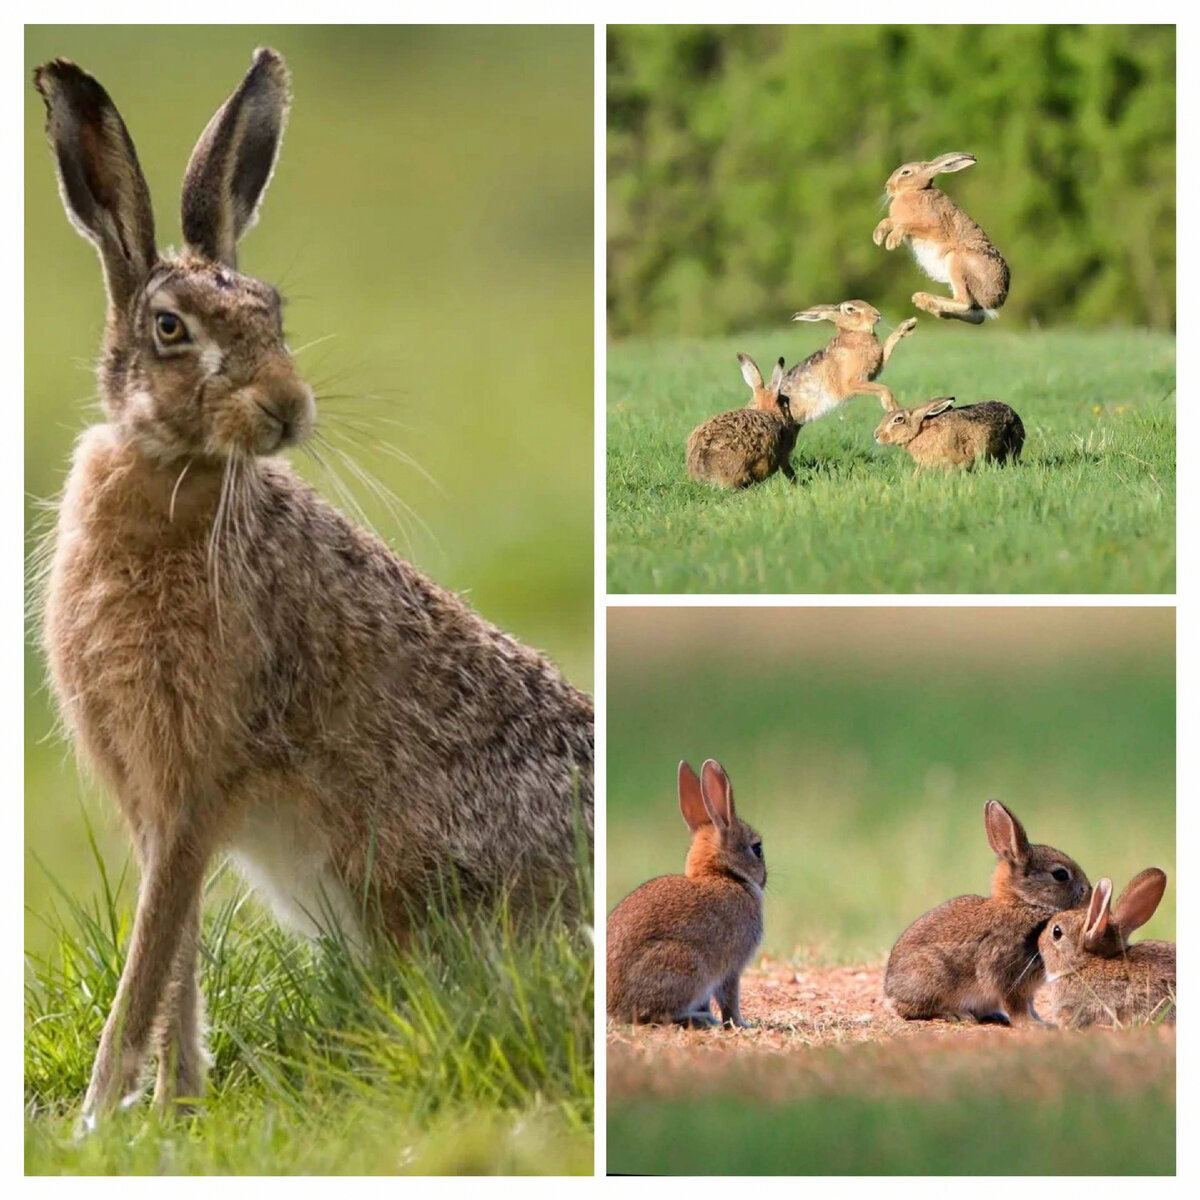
{"points": [[1005, 834], [944, 164], [777, 377], [233, 160], [750, 372], [691, 803], [1137, 902], [940, 405], [718, 793], [1096, 922], [820, 312], [103, 189]]}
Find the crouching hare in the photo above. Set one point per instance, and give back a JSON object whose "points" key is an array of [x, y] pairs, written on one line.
{"points": [[937, 434], [245, 668]]}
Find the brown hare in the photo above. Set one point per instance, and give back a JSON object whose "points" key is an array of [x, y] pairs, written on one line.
{"points": [[937, 434], [847, 366], [948, 246], [1093, 975], [680, 940], [746, 445], [245, 668], [977, 956]]}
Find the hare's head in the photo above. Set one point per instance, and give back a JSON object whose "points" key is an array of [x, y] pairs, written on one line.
{"points": [[765, 396], [721, 842], [1035, 874], [195, 363], [916, 176], [1070, 939], [901, 425], [852, 316]]}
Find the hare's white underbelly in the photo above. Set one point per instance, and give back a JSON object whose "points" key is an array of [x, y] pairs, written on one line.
{"points": [[931, 258], [813, 400]]}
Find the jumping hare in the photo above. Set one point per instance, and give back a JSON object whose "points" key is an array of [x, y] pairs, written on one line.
{"points": [[948, 246], [678, 941], [746, 445], [977, 956], [1093, 975], [937, 434], [848, 365], [246, 669]]}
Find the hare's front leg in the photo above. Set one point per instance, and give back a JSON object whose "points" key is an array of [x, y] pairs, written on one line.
{"points": [[728, 996], [881, 231], [174, 862], [182, 1058], [861, 386], [897, 336]]}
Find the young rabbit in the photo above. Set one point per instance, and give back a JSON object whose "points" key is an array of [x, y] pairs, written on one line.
{"points": [[679, 940], [747, 445], [978, 957], [1093, 975], [937, 434], [245, 668], [846, 366], [948, 246]]}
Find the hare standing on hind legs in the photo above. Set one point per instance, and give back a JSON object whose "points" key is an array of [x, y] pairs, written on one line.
{"points": [[245, 668]]}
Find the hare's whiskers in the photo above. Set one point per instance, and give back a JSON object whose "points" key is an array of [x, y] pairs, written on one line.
{"points": [[175, 492]]}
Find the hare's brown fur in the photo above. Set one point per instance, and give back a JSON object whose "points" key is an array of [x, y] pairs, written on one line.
{"points": [[847, 366], [937, 434], [680, 941], [977, 956], [247, 669], [948, 245]]}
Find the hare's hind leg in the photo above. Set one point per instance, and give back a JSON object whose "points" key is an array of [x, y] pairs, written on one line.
{"points": [[182, 1058], [962, 307], [729, 1000]]}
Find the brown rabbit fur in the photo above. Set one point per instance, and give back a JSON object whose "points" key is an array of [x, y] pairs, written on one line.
{"points": [[746, 445], [975, 956], [1093, 975], [680, 940], [937, 434], [848, 365], [245, 668], [947, 244]]}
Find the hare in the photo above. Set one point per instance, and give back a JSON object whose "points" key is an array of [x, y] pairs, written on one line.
{"points": [[1093, 975], [679, 940], [948, 246], [978, 957], [847, 365], [245, 668], [938, 434], [747, 445]]}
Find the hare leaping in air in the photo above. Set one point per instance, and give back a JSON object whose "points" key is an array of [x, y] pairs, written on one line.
{"points": [[947, 244], [245, 668]]}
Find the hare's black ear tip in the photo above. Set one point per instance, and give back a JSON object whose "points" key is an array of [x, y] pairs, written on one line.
{"points": [[56, 70], [266, 59]]}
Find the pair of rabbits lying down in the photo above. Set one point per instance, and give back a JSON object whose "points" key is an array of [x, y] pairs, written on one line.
{"points": [[681, 941]]}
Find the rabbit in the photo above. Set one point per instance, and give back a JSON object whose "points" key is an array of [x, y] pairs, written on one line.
{"points": [[948, 246], [938, 434], [847, 365], [246, 669], [1093, 975], [746, 445], [978, 957], [680, 940]]}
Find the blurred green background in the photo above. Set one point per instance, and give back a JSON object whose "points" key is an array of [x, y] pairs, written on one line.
{"points": [[431, 216], [862, 743], [746, 167]]}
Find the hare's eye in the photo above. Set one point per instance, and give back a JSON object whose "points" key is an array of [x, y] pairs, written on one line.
{"points": [[171, 330], [906, 171], [898, 419], [1056, 933], [1061, 874], [756, 849]]}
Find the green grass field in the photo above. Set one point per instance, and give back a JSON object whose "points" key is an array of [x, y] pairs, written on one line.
{"points": [[862, 744], [1090, 509]]}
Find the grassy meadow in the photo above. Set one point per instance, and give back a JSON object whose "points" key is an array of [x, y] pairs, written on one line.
{"points": [[430, 225], [1091, 508], [862, 744]]}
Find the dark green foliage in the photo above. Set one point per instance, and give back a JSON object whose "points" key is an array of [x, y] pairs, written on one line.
{"points": [[746, 167]]}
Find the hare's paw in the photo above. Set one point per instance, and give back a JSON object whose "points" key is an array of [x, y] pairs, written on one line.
{"points": [[894, 238], [906, 326], [926, 302], [881, 231]]}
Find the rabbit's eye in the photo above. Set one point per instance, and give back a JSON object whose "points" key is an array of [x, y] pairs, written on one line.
{"points": [[756, 849], [1056, 933], [170, 329], [1061, 874]]}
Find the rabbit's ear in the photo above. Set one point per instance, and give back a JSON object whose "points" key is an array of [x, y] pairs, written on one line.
{"points": [[820, 312], [102, 186], [718, 793], [777, 376], [750, 372], [1006, 835], [233, 160], [1138, 901], [940, 405], [691, 803], [944, 164], [1096, 921]]}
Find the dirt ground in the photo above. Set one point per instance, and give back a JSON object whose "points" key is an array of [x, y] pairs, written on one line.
{"points": [[825, 1029]]}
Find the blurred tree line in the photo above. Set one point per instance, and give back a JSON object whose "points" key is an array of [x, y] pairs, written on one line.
{"points": [[746, 167]]}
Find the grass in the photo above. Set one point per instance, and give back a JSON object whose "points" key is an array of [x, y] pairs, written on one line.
{"points": [[1090, 509], [472, 1054]]}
